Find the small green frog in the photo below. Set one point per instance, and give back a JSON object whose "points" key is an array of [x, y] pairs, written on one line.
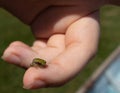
{"points": [[38, 62]]}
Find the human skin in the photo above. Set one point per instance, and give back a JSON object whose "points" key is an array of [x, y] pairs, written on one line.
{"points": [[67, 35]]}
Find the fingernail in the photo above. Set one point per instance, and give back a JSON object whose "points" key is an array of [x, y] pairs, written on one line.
{"points": [[37, 84], [11, 58]]}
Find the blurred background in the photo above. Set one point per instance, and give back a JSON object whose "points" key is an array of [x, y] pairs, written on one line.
{"points": [[11, 29]]}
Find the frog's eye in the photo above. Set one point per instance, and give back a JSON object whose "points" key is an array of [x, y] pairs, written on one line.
{"points": [[44, 63]]}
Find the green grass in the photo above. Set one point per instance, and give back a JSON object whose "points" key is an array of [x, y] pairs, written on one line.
{"points": [[12, 29]]}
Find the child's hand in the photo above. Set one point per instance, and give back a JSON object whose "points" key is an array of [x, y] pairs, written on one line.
{"points": [[66, 37]]}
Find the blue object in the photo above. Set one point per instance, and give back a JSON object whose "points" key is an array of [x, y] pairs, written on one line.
{"points": [[109, 81]]}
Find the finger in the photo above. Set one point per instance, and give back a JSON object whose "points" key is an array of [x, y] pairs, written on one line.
{"points": [[51, 76], [40, 43], [57, 41], [19, 54], [82, 39], [22, 55]]}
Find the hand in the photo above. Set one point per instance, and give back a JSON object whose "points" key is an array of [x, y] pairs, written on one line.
{"points": [[64, 38]]}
